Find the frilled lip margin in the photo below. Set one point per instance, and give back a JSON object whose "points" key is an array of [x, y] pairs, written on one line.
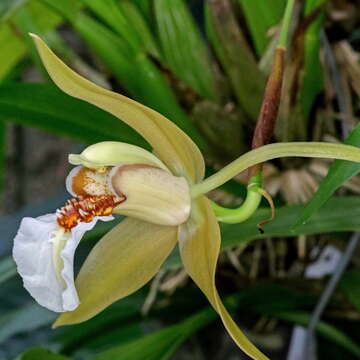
{"points": [[44, 255]]}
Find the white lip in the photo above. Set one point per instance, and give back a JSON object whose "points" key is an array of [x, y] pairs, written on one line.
{"points": [[33, 253]]}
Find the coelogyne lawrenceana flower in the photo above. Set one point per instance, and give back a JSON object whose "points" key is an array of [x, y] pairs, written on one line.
{"points": [[153, 191], [156, 191]]}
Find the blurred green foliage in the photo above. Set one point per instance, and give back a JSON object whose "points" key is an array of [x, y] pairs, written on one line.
{"points": [[207, 74], [261, 16]]}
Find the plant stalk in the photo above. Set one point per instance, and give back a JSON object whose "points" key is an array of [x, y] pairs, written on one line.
{"points": [[264, 128], [274, 151]]}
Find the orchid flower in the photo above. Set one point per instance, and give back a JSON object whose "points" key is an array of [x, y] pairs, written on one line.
{"points": [[162, 195]]}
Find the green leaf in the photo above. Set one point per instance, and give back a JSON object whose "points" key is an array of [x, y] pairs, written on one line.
{"points": [[25, 23], [114, 51], [324, 329], [24, 319], [338, 215], [268, 299], [141, 26], [120, 323], [41, 354], [225, 137], [45, 19], [7, 269], [260, 16], [349, 283], [135, 72], [69, 9], [145, 6], [161, 344], [125, 19], [13, 44], [184, 49], [313, 73], [235, 55], [340, 171], [157, 346], [46, 107], [8, 7], [2, 159]]}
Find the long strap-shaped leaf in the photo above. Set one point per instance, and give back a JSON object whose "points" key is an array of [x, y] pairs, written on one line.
{"points": [[184, 50], [339, 172], [260, 16], [37, 105]]}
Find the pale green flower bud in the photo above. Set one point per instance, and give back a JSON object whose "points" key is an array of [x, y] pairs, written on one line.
{"points": [[112, 153]]}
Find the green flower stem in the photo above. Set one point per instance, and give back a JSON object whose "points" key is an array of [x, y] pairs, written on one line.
{"points": [[286, 24], [273, 151], [247, 208], [263, 132]]}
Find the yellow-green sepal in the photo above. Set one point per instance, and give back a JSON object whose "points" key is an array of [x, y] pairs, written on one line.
{"points": [[124, 260], [171, 144], [199, 242]]}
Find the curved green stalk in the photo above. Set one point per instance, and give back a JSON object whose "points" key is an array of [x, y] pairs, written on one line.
{"points": [[262, 134], [247, 208], [273, 151]]}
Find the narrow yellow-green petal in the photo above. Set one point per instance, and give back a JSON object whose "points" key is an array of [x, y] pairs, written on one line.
{"points": [[171, 144], [124, 260], [112, 153], [199, 241]]}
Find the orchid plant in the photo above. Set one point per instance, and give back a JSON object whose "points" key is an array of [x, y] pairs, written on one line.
{"points": [[162, 194]]}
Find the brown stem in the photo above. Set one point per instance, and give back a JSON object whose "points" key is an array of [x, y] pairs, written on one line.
{"points": [[270, 106], [271, 101]]}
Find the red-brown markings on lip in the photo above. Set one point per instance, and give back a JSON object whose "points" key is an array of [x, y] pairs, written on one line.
{"points": [[84, 209]]}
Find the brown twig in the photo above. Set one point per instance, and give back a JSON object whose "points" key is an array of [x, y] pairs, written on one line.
{"points": [[271, 101], [270, 106]]}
